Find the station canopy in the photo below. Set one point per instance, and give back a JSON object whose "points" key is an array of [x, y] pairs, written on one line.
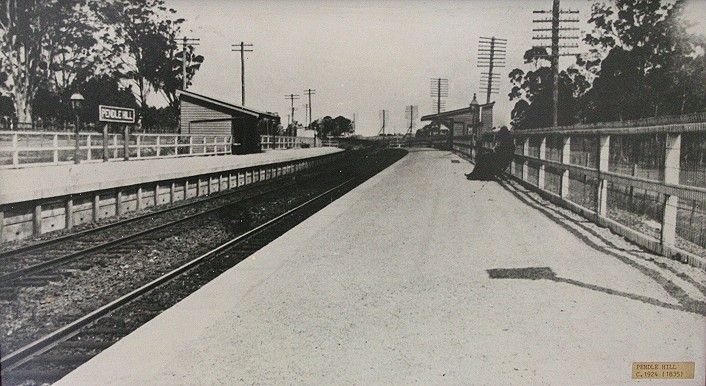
{"points": [[464, 116]]}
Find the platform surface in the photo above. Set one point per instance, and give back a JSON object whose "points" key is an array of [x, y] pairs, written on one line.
{"points": [[32, 183], [400, 282]]}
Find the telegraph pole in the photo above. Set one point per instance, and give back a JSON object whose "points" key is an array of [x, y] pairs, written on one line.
{"points": [[186, 42], [555, 21], [411, 112], [292, 98], [491, 55], [439, 89], [310, 92], [243, 50], [383, 116]]}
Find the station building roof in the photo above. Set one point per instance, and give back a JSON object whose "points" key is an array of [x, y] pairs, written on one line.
{"points": [[458, 115], [223, 105]]}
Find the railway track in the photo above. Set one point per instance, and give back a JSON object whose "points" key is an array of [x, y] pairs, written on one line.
{"points": [[14, 261], [55, 354], [35, 261]]}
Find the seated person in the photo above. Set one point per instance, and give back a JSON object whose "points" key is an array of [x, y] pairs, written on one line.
{"points": [[492, 164]]}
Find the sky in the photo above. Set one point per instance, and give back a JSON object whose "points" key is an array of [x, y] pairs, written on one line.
{"points": [[363, 56]]}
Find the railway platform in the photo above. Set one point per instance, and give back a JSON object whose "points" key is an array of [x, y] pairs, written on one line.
{"points": [[34, 183], [38, 200], [420, 276]]}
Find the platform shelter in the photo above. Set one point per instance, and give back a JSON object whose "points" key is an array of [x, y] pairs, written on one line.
{"points": [[204, 115]]}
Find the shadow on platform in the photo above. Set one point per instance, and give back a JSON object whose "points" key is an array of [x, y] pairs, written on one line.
{"points": [[546, 273]]}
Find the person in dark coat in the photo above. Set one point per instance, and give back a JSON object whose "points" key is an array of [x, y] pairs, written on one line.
{"points": [[492, 164]]}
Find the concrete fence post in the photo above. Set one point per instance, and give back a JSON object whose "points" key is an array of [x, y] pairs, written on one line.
{"points": [[2, 224], [115, 146], [138, 145], [55, 147], [671, 202], [603, 160], [525, 152], [15, 150], [159, 145], [191, 144], [542, 156], [565, 159], [88, 147]]}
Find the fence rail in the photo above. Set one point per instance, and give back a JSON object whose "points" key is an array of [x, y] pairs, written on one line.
{"points": [[278, 142], [23, 148], [32, 148], [646, 184]]}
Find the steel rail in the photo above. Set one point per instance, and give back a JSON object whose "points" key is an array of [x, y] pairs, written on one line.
{"points": [[47, 342], [45, 265], [46, 243], [40, 346]]}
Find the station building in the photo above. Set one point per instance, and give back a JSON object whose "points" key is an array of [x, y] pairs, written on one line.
{"points": [[474, 120], [202, 115]]}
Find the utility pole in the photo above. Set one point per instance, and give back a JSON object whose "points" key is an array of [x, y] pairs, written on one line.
{"points": [[186, 42], [383, 117], [440, 89], [411, 113], [555, 21], [243, 50], [306, 114], [491, 55], [292, 98], [310, 92]]}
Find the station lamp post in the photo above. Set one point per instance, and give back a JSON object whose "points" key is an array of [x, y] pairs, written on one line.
{"points": [[76, 103]]}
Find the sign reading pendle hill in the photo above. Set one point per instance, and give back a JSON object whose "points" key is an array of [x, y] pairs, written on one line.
{"points": [[116, 114]]}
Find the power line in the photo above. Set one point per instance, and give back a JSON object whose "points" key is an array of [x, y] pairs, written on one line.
{"points": [[439, 89], [383, 117], [411, 113], [292, 98], [555, 29], [241, 48], [310, 92], [491, 55]]}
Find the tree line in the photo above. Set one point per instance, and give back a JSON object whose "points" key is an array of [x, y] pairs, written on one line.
{"points": [[642, 62], [112, 52]]}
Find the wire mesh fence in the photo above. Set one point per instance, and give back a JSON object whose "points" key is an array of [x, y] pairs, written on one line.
{"points": [[692, 162], [555, 148], [638, 209], [552, 179], [640, 155], [584, 151], [532, 173], [691, 221], [582, 190]]}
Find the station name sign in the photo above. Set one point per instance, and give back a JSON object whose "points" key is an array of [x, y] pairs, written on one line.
{"points": [[116, 114]]}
